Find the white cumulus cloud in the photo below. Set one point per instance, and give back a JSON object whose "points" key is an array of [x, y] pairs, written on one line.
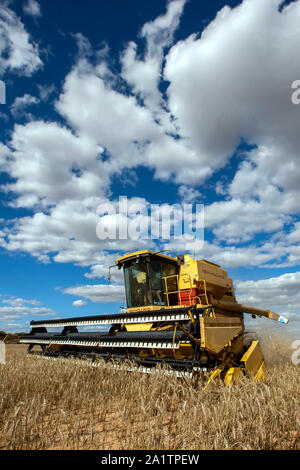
{"points": [[79, 303], [18, 52]]}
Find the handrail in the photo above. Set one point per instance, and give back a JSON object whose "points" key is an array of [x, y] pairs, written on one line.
{"points": [[178, 291]]}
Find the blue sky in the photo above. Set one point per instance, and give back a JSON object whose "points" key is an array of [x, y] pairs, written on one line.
{"points": [[164, 103]]}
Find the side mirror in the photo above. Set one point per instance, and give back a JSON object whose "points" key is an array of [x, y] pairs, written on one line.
{"points": [[109, 275], [180, 259]]}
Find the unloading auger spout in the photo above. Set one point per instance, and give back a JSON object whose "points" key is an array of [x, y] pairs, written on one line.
{"points": [[260, 312], [181, 312]]}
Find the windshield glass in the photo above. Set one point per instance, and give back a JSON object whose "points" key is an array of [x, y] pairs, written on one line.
{"points": [[144, 282], [138, 292], [157, 287]]}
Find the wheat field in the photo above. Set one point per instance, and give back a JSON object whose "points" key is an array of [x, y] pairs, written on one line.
{"points": [[70, 405]]}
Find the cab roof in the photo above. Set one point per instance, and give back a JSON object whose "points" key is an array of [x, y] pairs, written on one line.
{"points": [[145, 253]]}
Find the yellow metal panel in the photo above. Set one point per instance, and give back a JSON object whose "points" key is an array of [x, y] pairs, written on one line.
{"points": [[217, 332], [233, 375], [188, 274], [253, 359], [137, 253], [216, 373], [138, 326], [260, 375], [147, 308]]}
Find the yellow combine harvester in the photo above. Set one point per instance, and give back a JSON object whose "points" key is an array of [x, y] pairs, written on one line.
{"points": [[180, 312]]}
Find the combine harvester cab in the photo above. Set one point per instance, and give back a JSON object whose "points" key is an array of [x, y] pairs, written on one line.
{"points": [[180, 312]]}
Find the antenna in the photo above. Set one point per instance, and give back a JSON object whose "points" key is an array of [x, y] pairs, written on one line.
{"points": [[109, 275]]}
